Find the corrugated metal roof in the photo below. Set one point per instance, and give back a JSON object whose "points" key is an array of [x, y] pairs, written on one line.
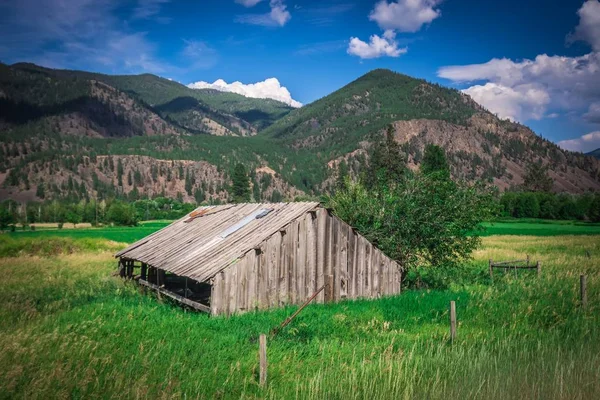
{"points": [[206, 241]]}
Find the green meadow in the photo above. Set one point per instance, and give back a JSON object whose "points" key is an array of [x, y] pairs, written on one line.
{"points": [[71, 330]]}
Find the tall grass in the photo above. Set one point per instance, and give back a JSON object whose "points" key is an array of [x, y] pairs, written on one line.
{"points": [[70, 330]]}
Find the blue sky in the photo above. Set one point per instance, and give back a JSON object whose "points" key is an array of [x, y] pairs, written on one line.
{"points": [[537, 62]]}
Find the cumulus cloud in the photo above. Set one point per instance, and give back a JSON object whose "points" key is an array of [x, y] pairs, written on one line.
{"points": [[588, 29], [397, 16], [570, 82], [527, 89], [268, 89], [584, 144], [378, 46], [277, 17], [518, 103], [405, 15]]}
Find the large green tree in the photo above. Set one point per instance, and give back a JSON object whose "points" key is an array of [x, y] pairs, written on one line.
{"points": [[241, 184]]}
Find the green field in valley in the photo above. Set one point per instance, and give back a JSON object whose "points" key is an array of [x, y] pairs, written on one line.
{"points": [[130, 234], [71, 330], [535, 227], [124, 234]]}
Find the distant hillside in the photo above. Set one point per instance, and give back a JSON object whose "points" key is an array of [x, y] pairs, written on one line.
{"points": [[595, 153], [196, 111], [478, 144], [65, 133]]}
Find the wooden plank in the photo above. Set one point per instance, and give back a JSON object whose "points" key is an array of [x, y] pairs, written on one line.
{"points": [[311, 253], [175, 296], [293, 262], [214, 294], [328, 288], [273, 268], [321, 248], [351, 263], [375, 273], [344, 259], [262, 355], [301, 265], [368, 276], [263, 284], [283, 269], [335, 257], [242, 286], [360, 274], [253, 260]]}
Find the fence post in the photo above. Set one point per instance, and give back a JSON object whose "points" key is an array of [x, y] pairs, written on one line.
{"points": [[491, 270], [539, 268], [583, 290], [452, 321], [262, 355]]}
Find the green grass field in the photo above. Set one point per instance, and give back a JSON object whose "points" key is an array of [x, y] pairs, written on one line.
{"points": [[123, 234], [70, 330], [131, 234], [535, 227]]}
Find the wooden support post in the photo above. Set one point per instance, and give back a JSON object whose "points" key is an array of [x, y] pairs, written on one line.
{"points": [[491, 270], [144, 271], [452, 321], [130, 269], [583, 290], [262, 356], [539, 268], [161, 276], [328, 288], [121, 268]]}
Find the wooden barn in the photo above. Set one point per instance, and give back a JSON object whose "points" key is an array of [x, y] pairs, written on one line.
{"points": [[234, 258]]}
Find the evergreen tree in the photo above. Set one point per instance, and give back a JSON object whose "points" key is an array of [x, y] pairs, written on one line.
{"points": [[387, 164], [434, 161], [241, 184]]}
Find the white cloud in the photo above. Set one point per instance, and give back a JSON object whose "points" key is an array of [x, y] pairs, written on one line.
{"points": [[405, 15], [588, 29], [378, 46], [248, 3], [277, 17], [518, 103], [527, 89], [268, 89], [400, 15], [593, 113], [584, 144], [571, 82]]}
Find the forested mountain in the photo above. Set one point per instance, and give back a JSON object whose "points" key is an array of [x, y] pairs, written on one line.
{"points": [[75, 134]]}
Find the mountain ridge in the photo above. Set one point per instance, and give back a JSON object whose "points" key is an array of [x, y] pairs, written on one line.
{"points": [[302, 149]]}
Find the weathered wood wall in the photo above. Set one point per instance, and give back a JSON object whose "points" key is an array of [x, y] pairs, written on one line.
{"points": [[292, 264]]}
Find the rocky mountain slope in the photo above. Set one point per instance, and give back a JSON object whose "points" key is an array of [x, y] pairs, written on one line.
{"points": [[68, 131]]}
